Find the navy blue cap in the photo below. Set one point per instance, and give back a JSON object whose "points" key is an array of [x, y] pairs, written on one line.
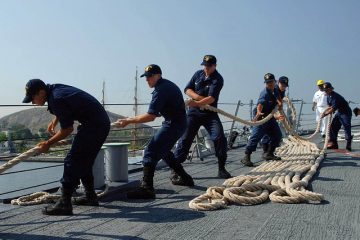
{"points": [[284, 80], [356, 111], [327, 85], [269, 77], [209, 60], [151, 70], [32, 87]]}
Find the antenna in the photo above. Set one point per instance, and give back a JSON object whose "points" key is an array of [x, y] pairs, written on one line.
{"points": [[103, 94], [136, 94], [135, 110]]}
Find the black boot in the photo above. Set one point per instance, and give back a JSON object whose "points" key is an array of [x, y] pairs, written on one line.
{"points": [[348, 145], [90, 198], [222, 173], [63, 206], [247, 160], [183, 178], [270, 154], [265, 149], [146, 190], [173, 175], [332, 145]]}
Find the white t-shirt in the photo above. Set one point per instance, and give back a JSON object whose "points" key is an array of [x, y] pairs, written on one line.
{"points": [[320, 99]]}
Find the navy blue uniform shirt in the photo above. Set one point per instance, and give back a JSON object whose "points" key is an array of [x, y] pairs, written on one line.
{"points": [[267, 99], [167, 101], [68, 104], [210, 86], [337, 102]]}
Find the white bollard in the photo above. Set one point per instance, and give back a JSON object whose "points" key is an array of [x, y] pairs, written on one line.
{"points": [[99, 169], [116, 161]]}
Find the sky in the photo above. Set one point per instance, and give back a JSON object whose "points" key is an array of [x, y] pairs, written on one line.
{"points": [[86, 42]]}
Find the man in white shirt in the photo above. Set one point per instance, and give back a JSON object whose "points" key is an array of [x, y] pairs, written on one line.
{"points": [[320, 105]]}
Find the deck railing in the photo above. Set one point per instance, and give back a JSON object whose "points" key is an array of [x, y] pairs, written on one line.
{"points": [[305, 121]]}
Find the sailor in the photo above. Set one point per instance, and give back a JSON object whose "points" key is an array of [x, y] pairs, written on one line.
{"points": [[283, 84], [204, 88], [320, 105], [167, 101], [68, 104], [280, 87], [268, 100], [342, 117]]}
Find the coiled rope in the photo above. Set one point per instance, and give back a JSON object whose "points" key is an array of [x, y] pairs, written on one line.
{"points": [[45, 197], [283, 181]]}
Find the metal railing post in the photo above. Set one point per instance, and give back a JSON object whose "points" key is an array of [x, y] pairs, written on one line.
{"points": [[251, 108], [233, 122], [300, 112]]}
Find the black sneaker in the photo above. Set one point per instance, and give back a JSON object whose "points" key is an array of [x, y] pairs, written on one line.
{"points": [[85, 201], [332, 145], [60, 208], [223, 174], [173, 175], [183, 181], [270, 156]]}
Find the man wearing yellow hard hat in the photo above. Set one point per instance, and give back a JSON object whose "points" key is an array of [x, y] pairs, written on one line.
{"points": [[320, 105]]}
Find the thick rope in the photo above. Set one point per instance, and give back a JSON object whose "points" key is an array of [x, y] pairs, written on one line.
{"points": [[26, 155], [292, 109], [33, 152], [44, 197], [283, 181], [235, 118], [39, 197]]}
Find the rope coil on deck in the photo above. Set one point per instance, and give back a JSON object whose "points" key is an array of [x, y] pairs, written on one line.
{"points": [[44, 197], [283, 181]]}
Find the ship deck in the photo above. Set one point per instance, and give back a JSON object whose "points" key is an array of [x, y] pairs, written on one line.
{"points": [[169, 217]]}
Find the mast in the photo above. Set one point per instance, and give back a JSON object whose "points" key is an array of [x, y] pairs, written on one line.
{"points": [[135, 110], [103, 94]]}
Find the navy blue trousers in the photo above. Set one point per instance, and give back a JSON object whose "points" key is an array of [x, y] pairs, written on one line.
{"points": [[270, 128], [265, 140], [86, 145], [162, 142], [338, 120], [215, 129]]}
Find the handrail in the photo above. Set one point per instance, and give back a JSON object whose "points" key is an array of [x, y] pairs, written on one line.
{"points": [[39, 185], [32, 169], [116, 130]]}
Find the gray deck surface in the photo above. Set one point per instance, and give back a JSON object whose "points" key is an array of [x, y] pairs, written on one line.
{"points": [[169, 217]]}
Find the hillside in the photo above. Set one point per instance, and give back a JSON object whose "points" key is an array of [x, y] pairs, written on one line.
{"points": [[36, 118]]}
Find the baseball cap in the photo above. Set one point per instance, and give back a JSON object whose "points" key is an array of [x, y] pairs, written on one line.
{"points": [[151, 70], [284, 80], [320, 82], [356, 111], [33, 86], [269, 77], [327, 85], [209, 60]]}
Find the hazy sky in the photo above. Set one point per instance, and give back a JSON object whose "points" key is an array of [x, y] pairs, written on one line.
{"points": [[84, 43]]}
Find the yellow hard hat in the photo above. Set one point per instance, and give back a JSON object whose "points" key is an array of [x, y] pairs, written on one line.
{"points": [[320, 82]]}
